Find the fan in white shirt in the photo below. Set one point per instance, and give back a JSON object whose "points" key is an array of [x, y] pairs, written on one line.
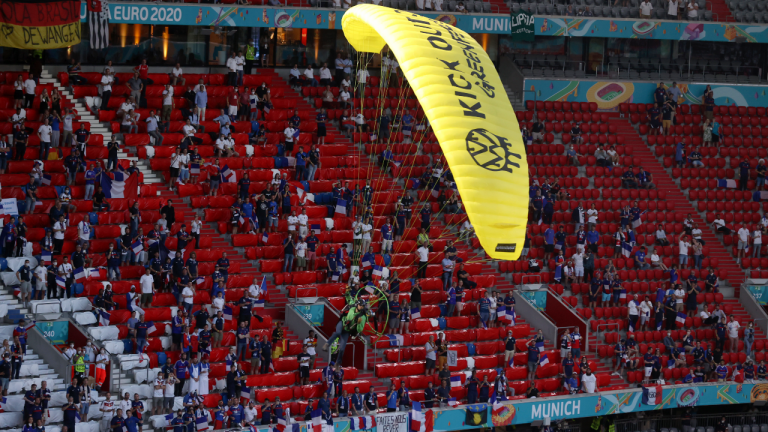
{"points": [[29, 86], [303, 220], [288, 132], [293, 220]]}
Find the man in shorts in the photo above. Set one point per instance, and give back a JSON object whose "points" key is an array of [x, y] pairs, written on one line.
{"points": [[147, 283], [170, 387], [24, 275], [537, 131], [533, 359], [159, 392]]}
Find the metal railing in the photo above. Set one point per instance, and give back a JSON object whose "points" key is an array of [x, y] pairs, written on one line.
{"points": [[597, 331]]}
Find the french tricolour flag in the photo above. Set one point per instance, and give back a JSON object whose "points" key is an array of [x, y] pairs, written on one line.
{"points": [[366, 264], [122, 186], [227, 312], [317, 420], [540, 346], [103, 317], [281, 424], [137, 247], [46, 180], [229, 175], [80, 274], [725, 183], [680, 318], [417, 418], [652, 395], [626, 249], [543, 360], [501, 312], [377, 271], [396, 340], [315, 228], [61, 282], [623, 294], [265, 237], [151, 329], [202, 423], [362, 423], [415, 313], [46, 257], [341, 207], [452, 402], [455, 381], [94, 273], [194, 168]]}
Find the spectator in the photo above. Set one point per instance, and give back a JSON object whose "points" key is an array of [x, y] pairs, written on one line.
{"points": [[645, 9], [719, 225], [733, 333], [589, 382], [743, 244], [602, 157], [538, 131], [749, 339], [640, 262], [743, 174], [683, 245], [533, 359]]}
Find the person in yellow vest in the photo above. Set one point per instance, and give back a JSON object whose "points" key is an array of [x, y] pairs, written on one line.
{"points": [[250, 57], [79, 362]]}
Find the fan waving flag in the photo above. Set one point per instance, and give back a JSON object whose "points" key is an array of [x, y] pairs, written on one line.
{"points": [[229, 175], [626, 249], [681, 318], [122, 186], [543, 360], [80, 274], [341, 207], [103, 317], [455, 381], [98, 18], [137, 247], [638, 220], [652, 395], [202, 423]]}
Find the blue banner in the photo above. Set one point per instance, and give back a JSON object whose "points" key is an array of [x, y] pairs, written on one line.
{"points": [[57, 332], [760, 293], [609, 94], [310, 18], [536, 298], [312, 313]]}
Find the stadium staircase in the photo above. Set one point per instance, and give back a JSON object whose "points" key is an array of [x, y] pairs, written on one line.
{"points": [[736, 275], [664, 181], [721, 12]]}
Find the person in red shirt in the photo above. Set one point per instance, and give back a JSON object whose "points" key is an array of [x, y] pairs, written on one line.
{"points": [[234, 101], [143, 71]]}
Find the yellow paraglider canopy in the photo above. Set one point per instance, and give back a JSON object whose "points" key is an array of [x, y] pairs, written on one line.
{"points": [[463, 98]]}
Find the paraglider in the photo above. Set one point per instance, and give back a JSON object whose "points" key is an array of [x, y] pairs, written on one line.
{"points": [[464, 100]]}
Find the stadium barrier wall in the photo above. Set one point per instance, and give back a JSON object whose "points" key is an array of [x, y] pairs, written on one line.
{"points": [[610, 94]]}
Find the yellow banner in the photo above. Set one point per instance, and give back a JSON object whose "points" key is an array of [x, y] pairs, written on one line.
{"points": [[40, 24]]}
